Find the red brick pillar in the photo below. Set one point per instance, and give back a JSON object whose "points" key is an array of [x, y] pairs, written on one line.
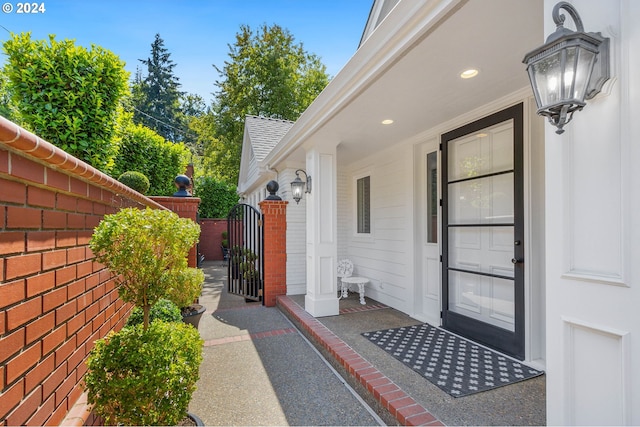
{"points": [[275, 249], [185, 207]]}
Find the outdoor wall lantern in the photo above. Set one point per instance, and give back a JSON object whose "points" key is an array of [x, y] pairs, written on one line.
{"points": [[570, 67], [298, 186]]}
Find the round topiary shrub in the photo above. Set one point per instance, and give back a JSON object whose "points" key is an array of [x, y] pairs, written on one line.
{"points": [[164, 310], [139, 377], [136, 181], [147, 250]]}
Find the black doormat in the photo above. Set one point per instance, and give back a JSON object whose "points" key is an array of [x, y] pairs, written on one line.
{"points": [[458, 366]]}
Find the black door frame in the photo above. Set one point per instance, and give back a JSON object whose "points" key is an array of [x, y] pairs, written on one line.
{"points": [[511, 343]]}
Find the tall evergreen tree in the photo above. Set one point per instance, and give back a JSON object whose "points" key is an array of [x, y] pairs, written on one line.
{"points": [[156, 97], [268, 74]]}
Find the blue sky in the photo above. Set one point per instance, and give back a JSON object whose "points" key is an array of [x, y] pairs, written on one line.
{"points": [[196, 32]]}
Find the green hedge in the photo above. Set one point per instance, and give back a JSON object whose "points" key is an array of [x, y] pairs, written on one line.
{"points": [[216, 197], [68, 95], [143, 150]]}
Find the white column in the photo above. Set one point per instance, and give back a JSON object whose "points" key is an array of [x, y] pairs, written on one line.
{"points": [[322, 298]]}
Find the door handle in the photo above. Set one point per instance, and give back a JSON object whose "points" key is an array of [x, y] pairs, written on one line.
{"points": [[515, 261]]}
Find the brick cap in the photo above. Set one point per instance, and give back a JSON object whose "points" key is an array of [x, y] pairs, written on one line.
{"points": [[79, 412], [273, 202]]}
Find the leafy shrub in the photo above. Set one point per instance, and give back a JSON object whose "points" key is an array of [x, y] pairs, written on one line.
{"points": [[185, 286], [147, 250], [67, 94], [216, 197], [136, 181], [164, 310], [139, 377]]}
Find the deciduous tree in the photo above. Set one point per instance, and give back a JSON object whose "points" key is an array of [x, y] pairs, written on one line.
{"points": [[267, 74]]}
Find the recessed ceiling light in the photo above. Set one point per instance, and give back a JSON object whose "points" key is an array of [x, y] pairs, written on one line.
{"points": [[482, 135], [387, 122], [467, 74]]}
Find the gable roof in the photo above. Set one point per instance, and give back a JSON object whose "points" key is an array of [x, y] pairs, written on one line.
{"points": [[261, 135], [264, 133]]}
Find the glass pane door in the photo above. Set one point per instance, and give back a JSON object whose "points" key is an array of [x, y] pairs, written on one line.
{"points": [[482, 231], [480, 225]]}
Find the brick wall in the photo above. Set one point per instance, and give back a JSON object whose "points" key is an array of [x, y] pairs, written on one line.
{"points": [[211, 238], [55, 300]]}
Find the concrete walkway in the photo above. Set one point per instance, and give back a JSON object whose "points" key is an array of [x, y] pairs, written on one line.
{"points": [[259, 370]]}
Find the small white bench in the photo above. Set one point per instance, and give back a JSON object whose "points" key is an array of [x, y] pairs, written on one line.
{"points": [[345, 269], [360, 281]]}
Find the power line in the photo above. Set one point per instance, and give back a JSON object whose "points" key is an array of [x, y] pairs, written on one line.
{"points": [[181, 131]]}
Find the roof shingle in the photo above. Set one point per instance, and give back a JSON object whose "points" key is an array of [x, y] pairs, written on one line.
{"points": [[265, 133]]}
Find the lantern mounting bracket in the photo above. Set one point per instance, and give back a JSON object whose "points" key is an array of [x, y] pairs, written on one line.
{"points": [[601, 71], [571, 67]]}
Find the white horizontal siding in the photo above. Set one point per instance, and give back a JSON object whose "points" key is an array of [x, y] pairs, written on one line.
{"points": [[385, 256], [296, 236]]}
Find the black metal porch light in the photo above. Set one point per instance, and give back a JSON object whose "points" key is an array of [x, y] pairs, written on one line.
{"points": [[298, 185], [570, 67]]}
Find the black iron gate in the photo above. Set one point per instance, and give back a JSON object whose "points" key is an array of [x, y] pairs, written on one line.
{"points": [[246, 265]]}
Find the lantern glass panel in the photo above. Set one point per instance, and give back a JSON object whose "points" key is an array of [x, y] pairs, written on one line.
{"points": [[546, 75], [583, 72], [297, 187]]}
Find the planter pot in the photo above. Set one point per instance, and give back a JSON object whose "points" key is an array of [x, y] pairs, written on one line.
{"points": [[192, 314], [190, 420], [197, 421]]}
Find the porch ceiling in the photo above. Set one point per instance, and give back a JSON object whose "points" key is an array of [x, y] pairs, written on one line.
{"points": [[422, 88]]}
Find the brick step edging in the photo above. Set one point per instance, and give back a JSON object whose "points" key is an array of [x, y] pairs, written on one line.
{"points": [[368, 381]]}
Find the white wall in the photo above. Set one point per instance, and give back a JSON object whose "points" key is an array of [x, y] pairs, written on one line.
{"points": [[593, 238], [296, 235], [386, 255]]}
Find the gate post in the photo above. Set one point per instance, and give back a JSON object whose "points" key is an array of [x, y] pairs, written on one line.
{"points": [[274, 217]]}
